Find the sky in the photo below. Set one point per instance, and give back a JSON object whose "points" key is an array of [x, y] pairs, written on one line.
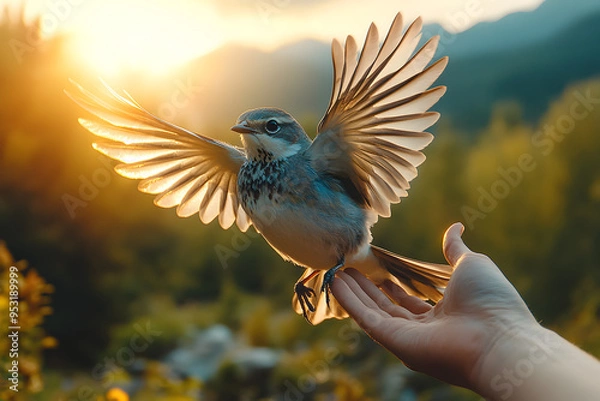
{"points": [[159, 34]]}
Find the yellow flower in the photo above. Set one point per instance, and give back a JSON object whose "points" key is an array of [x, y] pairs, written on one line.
{"points": [[116, 394], [49, 342]]}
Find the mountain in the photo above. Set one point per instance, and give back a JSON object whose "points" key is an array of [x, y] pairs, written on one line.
{"points": [[532, 75], [517, 30], [493, 69], [296, 78]]}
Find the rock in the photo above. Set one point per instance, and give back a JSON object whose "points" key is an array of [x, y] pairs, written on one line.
{"points": [[250, 360], [202, 357], [205, 353]]}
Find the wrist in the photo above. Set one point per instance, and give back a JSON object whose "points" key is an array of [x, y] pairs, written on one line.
{"points": [[511, 357], [529, 362]]}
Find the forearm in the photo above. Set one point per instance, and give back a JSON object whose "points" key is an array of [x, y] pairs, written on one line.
{"points": [[537, 364]]}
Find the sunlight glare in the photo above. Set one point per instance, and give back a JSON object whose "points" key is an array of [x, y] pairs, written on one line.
{"points": [[145, 36]]}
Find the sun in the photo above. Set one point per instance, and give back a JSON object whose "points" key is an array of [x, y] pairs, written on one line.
{"points": [[149, 36]]}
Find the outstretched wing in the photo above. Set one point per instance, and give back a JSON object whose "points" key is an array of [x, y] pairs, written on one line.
{"points": [[373, 131], [195, 173]]}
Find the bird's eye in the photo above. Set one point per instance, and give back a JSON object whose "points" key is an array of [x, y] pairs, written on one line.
{"points": [[272, 126]]}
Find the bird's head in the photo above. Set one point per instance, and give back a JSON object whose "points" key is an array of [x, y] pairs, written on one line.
{"points": [[270, 133]]}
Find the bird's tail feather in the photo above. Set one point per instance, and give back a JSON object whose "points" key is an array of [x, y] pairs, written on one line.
{"points": [[422, 279]]}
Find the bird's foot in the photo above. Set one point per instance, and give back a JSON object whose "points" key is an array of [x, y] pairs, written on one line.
{"points": [[304, 294], [328, 280]]}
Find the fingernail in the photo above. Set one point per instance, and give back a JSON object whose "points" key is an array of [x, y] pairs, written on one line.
{"points": [[353, 273], [350, 270], [462, 229]]}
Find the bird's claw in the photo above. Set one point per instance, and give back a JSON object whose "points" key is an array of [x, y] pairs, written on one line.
{"points": [[328, 281], [304, 294]]}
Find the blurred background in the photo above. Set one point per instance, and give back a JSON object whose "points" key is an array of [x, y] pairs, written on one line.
{"points": [[121, 299]]}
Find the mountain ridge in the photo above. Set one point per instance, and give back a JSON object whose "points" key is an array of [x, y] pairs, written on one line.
{"points": [[531, 74]]}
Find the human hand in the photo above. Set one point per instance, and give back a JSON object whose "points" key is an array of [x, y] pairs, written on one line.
{"points": [[453, 339]]}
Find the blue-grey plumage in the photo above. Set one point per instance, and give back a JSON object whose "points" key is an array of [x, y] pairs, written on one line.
{"points": [[314, 201], [307, 217]]}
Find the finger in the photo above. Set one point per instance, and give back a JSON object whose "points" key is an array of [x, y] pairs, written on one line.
{"points": [[357, 289], [349, 294], [380, 299], [454, 247], [379, 325], [398, 294]]}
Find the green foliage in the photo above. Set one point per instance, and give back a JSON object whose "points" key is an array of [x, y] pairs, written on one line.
{"points": [[31, 294]]}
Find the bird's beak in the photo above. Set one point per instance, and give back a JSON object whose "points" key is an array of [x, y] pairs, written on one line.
{"points": [[242, 128]]}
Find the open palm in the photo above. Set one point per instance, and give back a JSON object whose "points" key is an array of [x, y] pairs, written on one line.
{"points": [[450, 340]]}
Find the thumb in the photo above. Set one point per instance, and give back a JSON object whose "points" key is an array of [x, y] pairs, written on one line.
{"points": [[453, 245]]}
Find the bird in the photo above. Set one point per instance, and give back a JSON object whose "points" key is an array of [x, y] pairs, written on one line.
{"points": [[313, 200]]}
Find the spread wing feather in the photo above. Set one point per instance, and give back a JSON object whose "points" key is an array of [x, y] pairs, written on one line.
{"points": [[374, 128], [183, 169]]}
